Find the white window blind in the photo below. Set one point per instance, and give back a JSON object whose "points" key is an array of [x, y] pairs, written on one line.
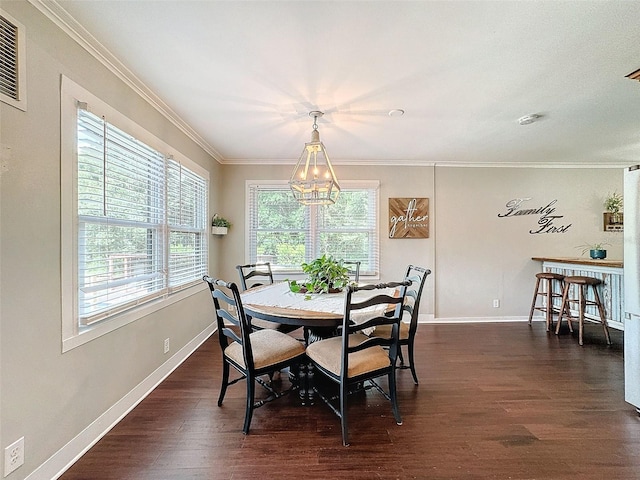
{"points": [[188, 224], [287, 233], [141, 221]]}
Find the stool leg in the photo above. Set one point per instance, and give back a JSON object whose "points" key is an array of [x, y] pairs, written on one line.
{"points": [[603, 318], [581, 309], [549, 310], [564, 308], [535, 297]]}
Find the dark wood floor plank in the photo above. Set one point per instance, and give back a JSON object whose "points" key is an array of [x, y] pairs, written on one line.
{"points": [[495, 401]]}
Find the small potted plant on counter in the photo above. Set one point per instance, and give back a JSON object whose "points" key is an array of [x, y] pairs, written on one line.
{"points": [[219, 225], [596, 250]]}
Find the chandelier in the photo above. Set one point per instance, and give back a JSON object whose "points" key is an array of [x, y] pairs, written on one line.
{"points": [[313, 181]]}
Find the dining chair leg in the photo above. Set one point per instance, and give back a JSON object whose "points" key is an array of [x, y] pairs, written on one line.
{"points": [[343, 413], [225, 382], [251, 389], [412, 363], [394, 397], [400, 357]]}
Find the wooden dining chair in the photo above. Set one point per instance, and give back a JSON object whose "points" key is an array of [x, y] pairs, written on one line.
{"points": [[251, 353], [354, 269], [354, 358], [417, 276], [256, 275]]}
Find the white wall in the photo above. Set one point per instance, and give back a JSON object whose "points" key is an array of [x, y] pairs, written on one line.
{"points": [[47, 396]]}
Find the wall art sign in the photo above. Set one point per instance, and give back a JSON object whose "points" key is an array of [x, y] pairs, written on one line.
{"points": [[408, 218], [545, 215]]}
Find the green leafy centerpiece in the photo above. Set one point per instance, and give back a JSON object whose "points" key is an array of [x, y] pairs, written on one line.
{"points": [[326, 275]]}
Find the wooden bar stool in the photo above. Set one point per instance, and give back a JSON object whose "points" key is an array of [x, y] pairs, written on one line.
{"points": [[548, 280], [582, 284]]}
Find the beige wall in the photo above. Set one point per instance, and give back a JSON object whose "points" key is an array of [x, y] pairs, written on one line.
{"points": [[475, 256], [481, 257], [47, 396]]}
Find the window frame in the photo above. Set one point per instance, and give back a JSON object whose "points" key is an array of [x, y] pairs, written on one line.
{"points": [[310, 226], [73, 333]]}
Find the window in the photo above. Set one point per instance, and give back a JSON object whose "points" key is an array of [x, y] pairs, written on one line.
{"points": [[138, 226], [13, 77], [287, 233]]}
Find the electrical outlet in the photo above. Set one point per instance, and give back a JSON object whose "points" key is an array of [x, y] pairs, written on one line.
{"points": [[13, 456], [166, 345], [496, 303]]}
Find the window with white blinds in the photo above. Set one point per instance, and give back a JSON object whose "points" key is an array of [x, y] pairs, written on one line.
{"points": [[286, 233], [141, 221]]}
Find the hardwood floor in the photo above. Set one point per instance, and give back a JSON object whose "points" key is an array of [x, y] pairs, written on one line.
{"points": [[495, 401]]}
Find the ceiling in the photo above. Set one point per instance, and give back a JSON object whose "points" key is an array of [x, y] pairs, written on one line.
{"points": [[242, 76]]}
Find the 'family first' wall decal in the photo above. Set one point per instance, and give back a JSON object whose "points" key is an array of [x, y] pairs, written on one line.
{"points": [[546, 216]]}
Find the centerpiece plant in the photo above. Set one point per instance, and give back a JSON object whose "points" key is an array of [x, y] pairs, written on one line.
{"points": [[325, 275]]}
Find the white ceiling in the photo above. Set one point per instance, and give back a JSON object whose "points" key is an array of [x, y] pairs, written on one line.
{"points": [[243, 76]]}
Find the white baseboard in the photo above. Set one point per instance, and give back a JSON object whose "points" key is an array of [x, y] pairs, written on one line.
{"points": [[428, 318], [60, 461]]}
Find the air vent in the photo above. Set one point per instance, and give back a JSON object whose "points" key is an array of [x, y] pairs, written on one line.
{"points": [[9, 59], [634, 75], [12, 54]]}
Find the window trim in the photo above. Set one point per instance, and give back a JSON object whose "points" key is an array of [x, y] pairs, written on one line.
{"points": [[345, 184], [72, 334]]}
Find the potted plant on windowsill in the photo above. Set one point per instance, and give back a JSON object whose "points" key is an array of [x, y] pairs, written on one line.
{"points": [[326, 275], [219, 225], [596, 250]]}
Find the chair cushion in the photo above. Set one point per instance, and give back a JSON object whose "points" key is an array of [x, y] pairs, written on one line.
{"points": [[269, 347], [328, 354], [384, 331]]}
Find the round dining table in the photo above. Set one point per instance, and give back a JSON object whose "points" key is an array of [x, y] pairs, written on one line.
{"points": [[277, 303]]}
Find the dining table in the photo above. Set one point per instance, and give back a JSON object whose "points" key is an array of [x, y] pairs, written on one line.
{"points": [[319, 314]]}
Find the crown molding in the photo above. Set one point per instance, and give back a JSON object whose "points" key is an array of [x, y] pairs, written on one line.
{"points": [[424, 163], [58, 15]]}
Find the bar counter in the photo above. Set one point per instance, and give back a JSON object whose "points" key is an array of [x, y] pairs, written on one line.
{"points": [[609, 271], [582, 261]]}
